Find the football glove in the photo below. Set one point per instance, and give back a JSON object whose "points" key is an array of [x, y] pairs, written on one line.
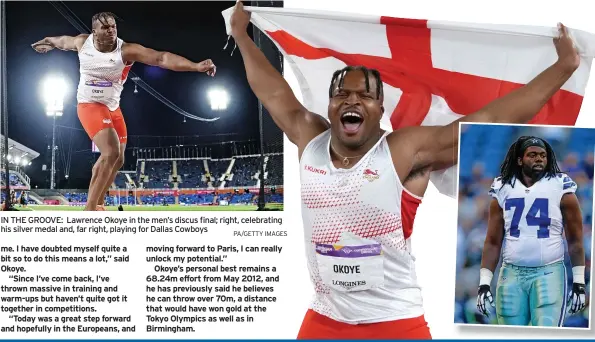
{"points": [[576, 299], [484, 294]]}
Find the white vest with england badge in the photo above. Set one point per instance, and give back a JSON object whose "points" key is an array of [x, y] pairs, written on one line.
{"points": [[357, 226], [103, 75]]}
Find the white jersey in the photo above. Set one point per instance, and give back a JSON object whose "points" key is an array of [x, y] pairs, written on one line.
{"points": [[533, 222], [357, 226], [103, 75]]}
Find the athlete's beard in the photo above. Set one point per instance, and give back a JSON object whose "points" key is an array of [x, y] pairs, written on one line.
{"points": [[532, 173], [356, 145]]}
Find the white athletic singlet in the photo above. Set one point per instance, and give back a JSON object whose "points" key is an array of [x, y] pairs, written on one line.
{"points": [[103, 75], [357, 225], [533, 221]]}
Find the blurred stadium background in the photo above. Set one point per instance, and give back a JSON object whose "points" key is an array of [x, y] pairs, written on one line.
{"points": [[483, 148], [217, 176]]}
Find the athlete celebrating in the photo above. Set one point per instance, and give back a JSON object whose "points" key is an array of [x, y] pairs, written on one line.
{"points": [[533, 203], [361, 187], [105, 61]]}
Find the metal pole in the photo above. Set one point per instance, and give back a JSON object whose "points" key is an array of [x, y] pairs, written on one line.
{"points": [[261, 194], [53, 170], [4, 76]]}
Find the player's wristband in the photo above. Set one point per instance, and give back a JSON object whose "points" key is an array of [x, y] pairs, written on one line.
{"points": [[578, 274], [485, 276]]}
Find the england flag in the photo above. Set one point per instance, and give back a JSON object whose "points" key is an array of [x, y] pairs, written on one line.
{"points": [[433, 72]]}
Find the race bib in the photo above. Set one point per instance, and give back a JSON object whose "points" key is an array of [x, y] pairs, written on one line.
{"points": [[349, 266], [98, 90]]}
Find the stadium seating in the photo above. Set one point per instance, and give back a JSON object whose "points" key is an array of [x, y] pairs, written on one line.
{"points": [[206, 199], [124, 200], [17, 196], [76, 197], [217, 168], [184, 199], [244, 172], [245, 198], [159, 173], [158, 199], [275, 162], [274, 198], [14, 179], [191, 173], [121, 181]]}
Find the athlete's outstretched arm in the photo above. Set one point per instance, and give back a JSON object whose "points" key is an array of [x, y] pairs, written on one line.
{"points": [[437, 146], [64, 43], [137, 53], [271, 88]]}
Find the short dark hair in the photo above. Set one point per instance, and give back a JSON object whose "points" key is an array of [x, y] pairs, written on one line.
{"points": [[339, 76], [102, 17], [510, 168]]}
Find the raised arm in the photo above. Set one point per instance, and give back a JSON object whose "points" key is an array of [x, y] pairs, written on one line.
{"points": [[163, 59], [272, 90], [64, 43], [436, 147]]}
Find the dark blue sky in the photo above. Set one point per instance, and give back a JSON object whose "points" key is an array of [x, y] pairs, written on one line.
{"points": [[195, 30]]}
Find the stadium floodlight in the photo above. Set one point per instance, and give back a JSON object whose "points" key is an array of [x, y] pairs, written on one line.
{"points": [[17, 160], [54, 90], [219, 99], [24, 162]]}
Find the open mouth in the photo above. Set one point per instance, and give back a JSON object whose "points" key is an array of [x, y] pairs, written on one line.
{"points": [[351, 121]]}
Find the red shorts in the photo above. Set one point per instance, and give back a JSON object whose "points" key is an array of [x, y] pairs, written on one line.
{"points": [[96, 116], [317, 326]]}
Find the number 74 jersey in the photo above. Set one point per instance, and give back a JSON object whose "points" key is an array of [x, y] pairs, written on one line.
{"points": [[533, 222]]}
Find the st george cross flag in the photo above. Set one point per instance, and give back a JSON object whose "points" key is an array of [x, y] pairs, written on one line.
{"points": [[433, 72]]}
